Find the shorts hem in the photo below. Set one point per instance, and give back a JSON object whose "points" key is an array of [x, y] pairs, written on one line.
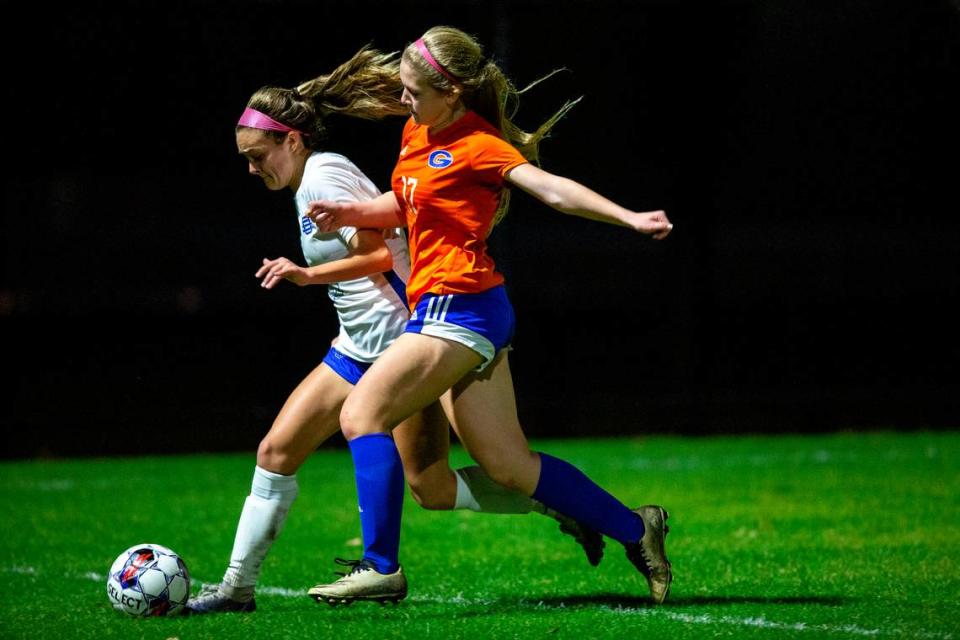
{"points": [[475, 342]]}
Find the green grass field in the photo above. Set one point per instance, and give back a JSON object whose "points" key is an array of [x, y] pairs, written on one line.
{"points": [[837, 536]]}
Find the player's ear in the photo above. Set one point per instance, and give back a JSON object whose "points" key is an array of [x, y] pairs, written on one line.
{"points": [[295, 140]]}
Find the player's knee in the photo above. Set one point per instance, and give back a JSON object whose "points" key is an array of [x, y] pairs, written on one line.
{"points": [[506, 475], [513, 470], [355, 421], [275, 458], [428, 500], [428, 495]]}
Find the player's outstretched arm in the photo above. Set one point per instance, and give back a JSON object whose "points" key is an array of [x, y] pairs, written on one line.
{"points": [[568, 196], [368, 254], [380, 213]]}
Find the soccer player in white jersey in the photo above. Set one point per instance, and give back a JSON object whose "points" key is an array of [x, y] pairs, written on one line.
{"points": [[365, 271]]}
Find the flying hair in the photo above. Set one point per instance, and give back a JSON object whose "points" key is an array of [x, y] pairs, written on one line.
{"points": [[366, 86]]}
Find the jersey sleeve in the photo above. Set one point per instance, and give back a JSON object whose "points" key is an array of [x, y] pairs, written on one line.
{"points": [[346, 234], [494, 157]]}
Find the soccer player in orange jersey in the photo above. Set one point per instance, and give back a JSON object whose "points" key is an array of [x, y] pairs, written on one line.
{"points": [[458, 153]]}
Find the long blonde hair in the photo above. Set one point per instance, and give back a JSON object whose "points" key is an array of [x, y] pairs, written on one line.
{"points": [[365, 86], [485, 89]]}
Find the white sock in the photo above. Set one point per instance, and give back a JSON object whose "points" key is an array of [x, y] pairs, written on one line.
{"points": [[261, 521], [477, 492]]}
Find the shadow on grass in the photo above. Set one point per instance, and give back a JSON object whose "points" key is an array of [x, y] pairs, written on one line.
{"points": [[637, 602]]}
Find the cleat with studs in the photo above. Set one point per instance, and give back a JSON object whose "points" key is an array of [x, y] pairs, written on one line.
{"points": [[590, 540], [362, 582], [649, 555], [212, 599]]}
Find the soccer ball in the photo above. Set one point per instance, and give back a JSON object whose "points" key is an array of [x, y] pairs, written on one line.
{"points": [[148, 580]]}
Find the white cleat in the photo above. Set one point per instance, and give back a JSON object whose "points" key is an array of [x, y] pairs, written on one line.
{"points": [[213, 599], [362, 582]]}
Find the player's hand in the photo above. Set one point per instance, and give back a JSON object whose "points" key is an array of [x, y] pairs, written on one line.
{"points": [[327, 215], [273, 271], [652, 223]]}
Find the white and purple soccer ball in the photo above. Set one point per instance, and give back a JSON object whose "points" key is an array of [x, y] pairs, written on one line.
{"points": [[148, 580]]}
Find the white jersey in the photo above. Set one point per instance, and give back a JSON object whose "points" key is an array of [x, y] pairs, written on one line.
{"points": [[373, 309]]}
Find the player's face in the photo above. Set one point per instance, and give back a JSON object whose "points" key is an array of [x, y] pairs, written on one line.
{"points": [[273, 161], [427, 105]]}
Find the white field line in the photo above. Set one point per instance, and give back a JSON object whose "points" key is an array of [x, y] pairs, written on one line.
{"points": [[764, 623], [660, 612]]}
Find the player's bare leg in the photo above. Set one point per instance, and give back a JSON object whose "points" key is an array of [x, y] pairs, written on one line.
{"points": [[309, 416], [486, 404], [485, 410], [423, 441]]}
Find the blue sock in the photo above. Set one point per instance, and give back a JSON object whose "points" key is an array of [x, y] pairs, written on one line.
{"points": [[380, 489], [566, 489]]}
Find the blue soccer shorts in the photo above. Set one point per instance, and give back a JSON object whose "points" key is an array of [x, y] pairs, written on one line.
{"points": [[346, 367], [484, 321]]}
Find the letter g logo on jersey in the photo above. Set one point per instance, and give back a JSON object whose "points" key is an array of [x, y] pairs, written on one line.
{"points": [[440, 159]]}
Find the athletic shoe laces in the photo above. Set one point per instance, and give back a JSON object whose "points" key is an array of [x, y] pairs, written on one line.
{"points": [[356, 566]]}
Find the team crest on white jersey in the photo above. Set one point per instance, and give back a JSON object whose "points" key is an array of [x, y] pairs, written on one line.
{"points": [[306, 224], [440, 159]]}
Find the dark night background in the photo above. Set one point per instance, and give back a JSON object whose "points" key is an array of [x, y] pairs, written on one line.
{"points": [[806, 152]]}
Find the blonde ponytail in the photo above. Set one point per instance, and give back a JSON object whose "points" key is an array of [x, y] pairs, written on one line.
{"points": [[485, 90]]}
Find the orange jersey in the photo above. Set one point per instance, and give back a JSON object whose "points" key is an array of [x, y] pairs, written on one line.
{"points": [[448, 185]]}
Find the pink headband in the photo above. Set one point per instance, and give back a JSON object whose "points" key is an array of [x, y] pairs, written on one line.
{"points": [[258, 120], [433, 63]]}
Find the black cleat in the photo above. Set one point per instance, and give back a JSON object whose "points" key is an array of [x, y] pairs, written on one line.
{"points": [[589, 539]]}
